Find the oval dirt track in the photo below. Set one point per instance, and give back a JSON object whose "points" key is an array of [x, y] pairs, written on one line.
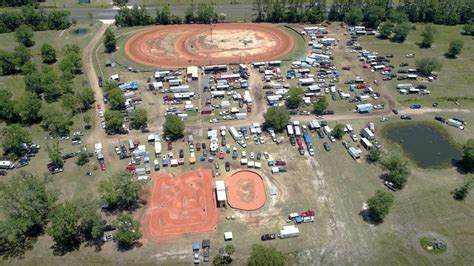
{"points": [[185, 45]]}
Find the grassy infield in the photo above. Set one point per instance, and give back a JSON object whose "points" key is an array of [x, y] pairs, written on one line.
{"points": [[425, 205]]}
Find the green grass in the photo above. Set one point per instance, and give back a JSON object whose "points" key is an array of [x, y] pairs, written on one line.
{"points": [[455, 78], [426, 244]]}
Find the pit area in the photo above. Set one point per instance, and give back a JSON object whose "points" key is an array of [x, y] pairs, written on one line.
{"points": [[177, 46], [246, 191], [181, 204]]}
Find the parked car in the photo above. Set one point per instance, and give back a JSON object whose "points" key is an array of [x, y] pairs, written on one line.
{"points": [[327, 147], [390, 185], [415, 106], [395, 111], [227, 166], [205, 254], [109, 227], [345, 144], [267, 237], [405, 117], [3, 173], [108, 237], [266, 155]]}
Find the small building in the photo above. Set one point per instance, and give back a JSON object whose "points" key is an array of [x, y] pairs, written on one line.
{"points": [[221, 194], [228, 236], [157, 85], [192, 72], [206, 110]]}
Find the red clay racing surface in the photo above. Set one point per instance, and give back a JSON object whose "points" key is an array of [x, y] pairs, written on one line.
{"points": [[189, 45]]}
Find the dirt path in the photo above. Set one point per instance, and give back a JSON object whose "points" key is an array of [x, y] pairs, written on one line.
{"points": [[87, 59]]}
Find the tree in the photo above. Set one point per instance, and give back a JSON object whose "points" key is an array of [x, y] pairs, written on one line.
{"points": [[165, 15], [205, 13], [277, 118], [262, 255], [425, 66], [54, 154], [113, 120], [82, 158], [386, 30], [220, 260], [320, 105], [87, 120], [373, 15], [55, 119], [7, 63], [374, 155], [229, 249], [120, 3], [189, 15], [70, 102], [398, 170], [48, 53], [22, 55], [469, 28], [379, 205], [138, 118], [128, 230], [338, 131], [13, 138], [109, 41], [25, 203], [120, 191], [29, 107], [28, 68], [86, 98], [400, 32], [24, 35], [73, 221], [116, 99], [8, 110], [462, 192], [173, 127], [468, 155], [71, 63], [455, 48], [295, 98], [354, 16], [428, 36]]}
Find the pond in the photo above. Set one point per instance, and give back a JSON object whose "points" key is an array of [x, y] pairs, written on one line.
{"points": [[80, 31], [426, 144]]}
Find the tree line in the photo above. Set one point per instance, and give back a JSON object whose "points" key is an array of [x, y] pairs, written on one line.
{"points": [[12, 3], [138, 16], [36, 19]]}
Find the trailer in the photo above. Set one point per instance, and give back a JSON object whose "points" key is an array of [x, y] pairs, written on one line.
{"points": [[289, 130], [175, 82], [157, 149], [367, 133], [307, 138], [297, 130], [455, 123], [179, 88], [289, 231], [233, 132], [306, 81]]}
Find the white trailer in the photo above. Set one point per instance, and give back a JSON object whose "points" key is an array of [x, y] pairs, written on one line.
{"points": [[289, 231], [306, 81], [240, 116], [289, 129], [180, 88], [297, 130], [175, 82], [367, 133], [234, 133], [157, 149], [455, 123]]}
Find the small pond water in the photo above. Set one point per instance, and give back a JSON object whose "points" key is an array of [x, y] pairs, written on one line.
{"points": [[80, 31], [425, 144]]}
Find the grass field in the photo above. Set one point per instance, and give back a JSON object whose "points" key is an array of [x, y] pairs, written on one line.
{"points": [[455, 77]]}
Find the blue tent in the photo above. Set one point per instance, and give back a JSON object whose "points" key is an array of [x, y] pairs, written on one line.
{"points": [[134, 86], [196, 247]]}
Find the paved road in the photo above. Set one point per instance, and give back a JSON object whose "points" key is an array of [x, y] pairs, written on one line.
{"points": [[234, 12]]}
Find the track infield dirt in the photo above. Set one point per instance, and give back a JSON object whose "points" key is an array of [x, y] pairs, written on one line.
{"points": [[181, 204], [246, 190], [185, 45]]}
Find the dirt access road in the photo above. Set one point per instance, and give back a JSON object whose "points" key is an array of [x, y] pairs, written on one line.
{"points": [[87, 59]]}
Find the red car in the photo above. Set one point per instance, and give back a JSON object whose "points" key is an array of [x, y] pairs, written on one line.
{"points": [[221, 156], [98, 106], [280, 162], [131, 168], [102, 165], [346, 68]]}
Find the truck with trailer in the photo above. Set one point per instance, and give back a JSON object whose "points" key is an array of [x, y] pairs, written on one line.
{"points": [[289, 129], [307, 138], [455, 123]]}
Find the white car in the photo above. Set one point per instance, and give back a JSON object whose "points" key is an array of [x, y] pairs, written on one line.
{"points": [[252, 155], [214, 120], [379, 106], [103, 124], [101, 113], [244, 154], [262, 140], [331, 138], [354, 137]]}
